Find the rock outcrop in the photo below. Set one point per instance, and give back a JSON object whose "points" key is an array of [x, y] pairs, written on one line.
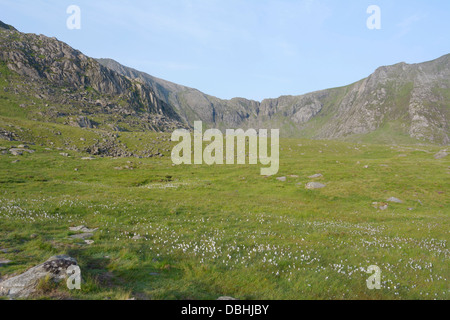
{"points": [[25, 284]]}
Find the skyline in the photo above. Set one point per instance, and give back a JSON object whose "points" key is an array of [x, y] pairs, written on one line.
{"points": [[253, 49]]}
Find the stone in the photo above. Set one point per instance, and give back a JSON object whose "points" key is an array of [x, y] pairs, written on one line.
{"points": [[4, 262], [282, 179], [64, 154], [441, 154], [23, 285], [89, 242], [82, 229], [395, 200], [314, 185], [226, 299], [88, 158], [137, 237], [315, 176], [82, 236], [16, 152], [19, 151]]}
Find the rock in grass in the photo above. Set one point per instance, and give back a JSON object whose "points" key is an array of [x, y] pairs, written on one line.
{"points": [[19, 151], [25, 284], [16, 152], [226, 299], [380, 205], [82, 236], [82, 229], [315, 176], [441, 154], [282, 179], [4, 262], [395, 200], [314, 185]]}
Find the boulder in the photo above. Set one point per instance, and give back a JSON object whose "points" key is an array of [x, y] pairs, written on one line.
{"points": [[82, 229], [82, 236], [19, 151], [4, 262], [315, 176], [314, 185], [441, 154], [395, 200], [226, 299], [25, 284]]}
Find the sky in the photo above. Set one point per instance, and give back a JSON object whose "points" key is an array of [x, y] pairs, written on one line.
{"points": [[254, 49]]}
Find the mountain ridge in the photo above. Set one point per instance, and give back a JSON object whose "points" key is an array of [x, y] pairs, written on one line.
{"points": [[404, 103], [350, 115]]}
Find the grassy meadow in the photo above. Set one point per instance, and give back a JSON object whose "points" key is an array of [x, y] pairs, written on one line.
{"points": [[200, 232]]}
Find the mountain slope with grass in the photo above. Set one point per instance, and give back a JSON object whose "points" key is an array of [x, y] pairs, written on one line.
{"points": [[53, 82]]}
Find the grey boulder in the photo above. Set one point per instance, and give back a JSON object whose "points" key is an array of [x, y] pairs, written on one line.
{"points": [[315, 185], [25, 284]]}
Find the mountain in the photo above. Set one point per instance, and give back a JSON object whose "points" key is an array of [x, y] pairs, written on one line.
{"points": [[399, 103], [76, 89], [191, 104], [44, 79]]}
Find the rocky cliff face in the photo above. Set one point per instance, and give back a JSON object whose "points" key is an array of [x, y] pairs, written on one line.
{"points": [[395, 101], [191, 104], [62, 75]]}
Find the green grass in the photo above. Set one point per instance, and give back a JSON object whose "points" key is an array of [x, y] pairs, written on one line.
{"points": [[226, 230]]}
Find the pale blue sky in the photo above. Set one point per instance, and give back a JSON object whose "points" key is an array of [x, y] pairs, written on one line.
{"points": [[245, 48]]}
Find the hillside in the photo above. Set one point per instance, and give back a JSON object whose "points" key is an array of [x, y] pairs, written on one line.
{"points": [[56, 83]]}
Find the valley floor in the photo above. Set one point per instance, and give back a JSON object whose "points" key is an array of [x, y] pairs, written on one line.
{"points": [[199, 232]]}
